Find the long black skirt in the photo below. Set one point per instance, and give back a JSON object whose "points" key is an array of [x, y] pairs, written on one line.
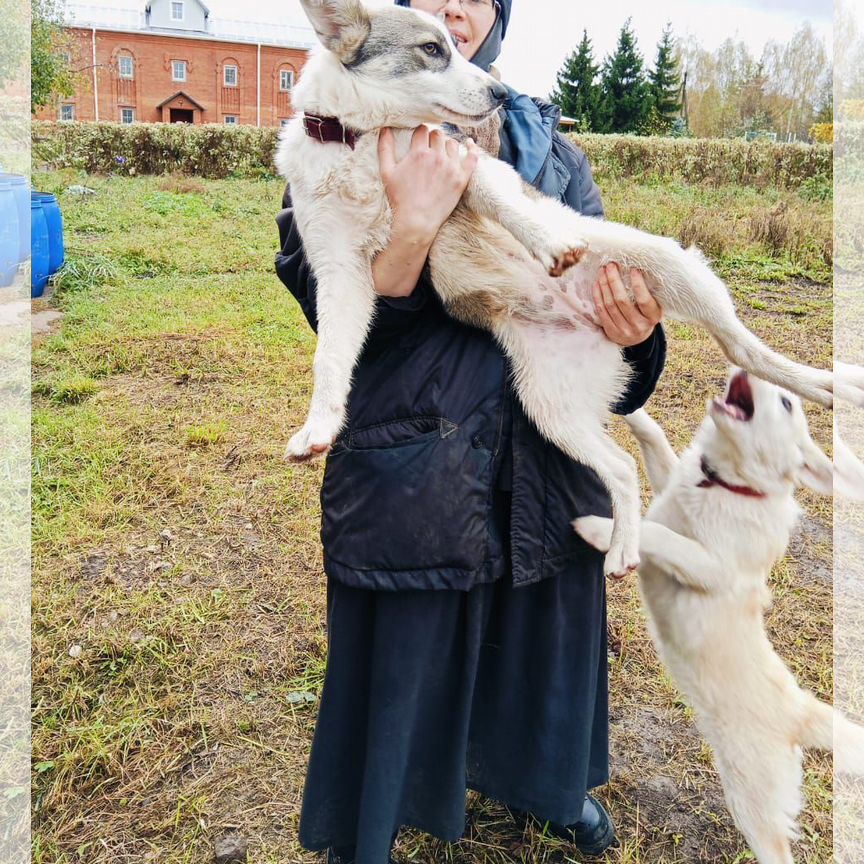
{"points": [[498, 689]]}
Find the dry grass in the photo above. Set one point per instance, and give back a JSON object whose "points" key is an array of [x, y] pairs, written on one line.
{"points": [[182, 185], [178, 586]]}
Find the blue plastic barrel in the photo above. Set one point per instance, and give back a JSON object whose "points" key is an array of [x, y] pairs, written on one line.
{"points": [[39, 248], [8, 234], [21, 191], [54, 220]]}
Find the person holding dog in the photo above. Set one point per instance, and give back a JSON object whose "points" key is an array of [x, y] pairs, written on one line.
{"points": [[466, 620]]}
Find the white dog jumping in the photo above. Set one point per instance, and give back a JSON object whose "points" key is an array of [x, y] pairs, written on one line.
{"points": [[497, 262], [720, 520]]}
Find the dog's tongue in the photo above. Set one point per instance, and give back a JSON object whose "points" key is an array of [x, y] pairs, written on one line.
{"points": [[740, 396]]}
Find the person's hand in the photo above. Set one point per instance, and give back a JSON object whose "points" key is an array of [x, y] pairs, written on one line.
{"points": [[426, 184], [625, 322]]}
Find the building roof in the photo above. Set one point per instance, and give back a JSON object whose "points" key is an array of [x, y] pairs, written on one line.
{"points": [[128, 16], [185, 95]]}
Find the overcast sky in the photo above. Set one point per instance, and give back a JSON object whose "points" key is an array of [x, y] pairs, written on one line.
{"points": [[543, 32]]}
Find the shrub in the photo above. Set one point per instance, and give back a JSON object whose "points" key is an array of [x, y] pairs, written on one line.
{"points": [[212, 151], [708, 230], [822, 133], [217, 151], [716, 161]]}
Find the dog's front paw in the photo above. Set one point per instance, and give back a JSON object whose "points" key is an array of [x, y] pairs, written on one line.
{"points": [[620, 561], [310, 442], [566, 259], [596, 531]]}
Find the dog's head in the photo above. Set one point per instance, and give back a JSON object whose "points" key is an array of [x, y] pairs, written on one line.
{"points": [[399, 65], [762, 435]]}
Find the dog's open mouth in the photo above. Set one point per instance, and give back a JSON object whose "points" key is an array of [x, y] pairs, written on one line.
{"points": [[739, 398]]}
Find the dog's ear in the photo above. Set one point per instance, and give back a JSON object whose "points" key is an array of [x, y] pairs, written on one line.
{"points": [[341, 25], [818, 472]]}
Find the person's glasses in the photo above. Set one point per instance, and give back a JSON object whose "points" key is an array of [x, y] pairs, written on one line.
{"points": [[473, 7]]}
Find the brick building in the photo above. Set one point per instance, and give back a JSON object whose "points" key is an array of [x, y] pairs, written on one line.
{"points": [[168, 61]]}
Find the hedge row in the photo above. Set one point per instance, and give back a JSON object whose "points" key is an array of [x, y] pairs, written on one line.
{"points": [[716, 161], [246, 151], [155, 148]]}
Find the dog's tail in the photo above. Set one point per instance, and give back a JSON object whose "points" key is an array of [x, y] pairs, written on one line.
{"points": [[827, 729]]}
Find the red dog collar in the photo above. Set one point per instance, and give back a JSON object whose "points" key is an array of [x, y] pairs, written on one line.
{"points": [[328, 129], [713, 479]]}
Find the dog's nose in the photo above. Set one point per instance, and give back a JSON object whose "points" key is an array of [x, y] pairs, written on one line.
{"points": [[498, 92]]}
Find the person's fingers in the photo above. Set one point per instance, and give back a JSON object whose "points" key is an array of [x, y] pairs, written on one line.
{"points": [[607, 313], [645, 300], [386, 151], [438, 141], [608, 297], [469, 163], [451, 145], [420, 138], [620, 296]]}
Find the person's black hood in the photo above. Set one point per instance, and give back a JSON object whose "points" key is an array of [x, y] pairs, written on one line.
{"points": [[488, 52]]}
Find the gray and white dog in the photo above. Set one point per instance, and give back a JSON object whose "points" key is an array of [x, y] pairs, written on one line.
{"points": [[498, 262]]}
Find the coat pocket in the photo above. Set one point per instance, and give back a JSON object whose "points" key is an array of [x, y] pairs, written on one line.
{"points": [[408, 494]]}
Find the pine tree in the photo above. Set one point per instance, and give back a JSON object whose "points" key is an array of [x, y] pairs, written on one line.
{"points": [[577, 93], [665, 82], [627, 98]]}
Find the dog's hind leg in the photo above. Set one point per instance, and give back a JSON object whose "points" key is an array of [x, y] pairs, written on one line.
{"points": [[657, 454], [763, 794], [689, 290], [564, 379]]}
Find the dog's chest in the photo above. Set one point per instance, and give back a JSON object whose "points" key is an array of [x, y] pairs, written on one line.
{"points": [[333, 179]]}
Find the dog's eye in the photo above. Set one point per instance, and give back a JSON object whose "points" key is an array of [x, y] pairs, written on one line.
{"points": [[431, 48], [787, 404]]}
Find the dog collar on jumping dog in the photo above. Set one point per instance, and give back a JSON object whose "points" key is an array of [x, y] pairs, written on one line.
{"points": [[713, 479], [329, 129]]}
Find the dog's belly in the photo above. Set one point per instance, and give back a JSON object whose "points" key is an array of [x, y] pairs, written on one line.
{"points": [[563, 374], [713, 644]]}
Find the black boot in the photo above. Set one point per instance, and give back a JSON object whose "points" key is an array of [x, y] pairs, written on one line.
{"points": [[592, 834]]}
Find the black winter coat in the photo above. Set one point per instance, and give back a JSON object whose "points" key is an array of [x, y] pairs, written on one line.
{"points": [[409, 487]]}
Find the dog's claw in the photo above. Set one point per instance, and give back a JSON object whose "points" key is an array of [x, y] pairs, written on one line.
{"points": [[563, 262]]}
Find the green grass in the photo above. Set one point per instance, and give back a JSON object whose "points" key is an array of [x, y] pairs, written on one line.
{"points": [[177, 555]]}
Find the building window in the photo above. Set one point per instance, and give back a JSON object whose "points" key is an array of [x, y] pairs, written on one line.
{"points": [[177, 10], [67, 113], [125, 66], [230, 76], [127, 115], [178, 70], [286, 79], [231, 119]]}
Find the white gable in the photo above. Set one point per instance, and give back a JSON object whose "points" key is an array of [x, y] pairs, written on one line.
{"points": [[178, 15]]}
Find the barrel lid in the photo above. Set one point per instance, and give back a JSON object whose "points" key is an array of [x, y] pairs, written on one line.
{"points": [[43, 196], [35, 204], [14, 179]]}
